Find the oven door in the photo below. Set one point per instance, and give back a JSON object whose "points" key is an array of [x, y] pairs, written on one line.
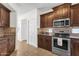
{"points": [[64, 43], [63, 50]]}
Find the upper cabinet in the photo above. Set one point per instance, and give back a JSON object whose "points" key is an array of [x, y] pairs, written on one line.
{"points": [[75, 15], [50, 19], [62, 11], [46, 20], [4, 16], [42, 17]]}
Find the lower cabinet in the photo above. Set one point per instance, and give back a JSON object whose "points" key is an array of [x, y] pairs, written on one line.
{"points": [[7, 45], [74, 47], [3, 47], [11, 44], [45, 42]]}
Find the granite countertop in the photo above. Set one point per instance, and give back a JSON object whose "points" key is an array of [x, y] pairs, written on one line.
{"points": [[46, 34], [77, 37]]}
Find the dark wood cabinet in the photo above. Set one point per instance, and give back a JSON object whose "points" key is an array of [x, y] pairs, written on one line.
{"points": [[48, 44], [7, 40], [62, 11], [45, 42], [7, 45], [3, 46], [40, 41], [42, 22], [50, 19], [68, 11], [46, 20], [11, 43], [4, 16], [75, 15], [74, 47]]}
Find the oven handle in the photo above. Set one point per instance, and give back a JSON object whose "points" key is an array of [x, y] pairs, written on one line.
{"points": [[62, 38]]}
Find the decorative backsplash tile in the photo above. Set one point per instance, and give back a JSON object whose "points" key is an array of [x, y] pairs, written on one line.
{"points": [[75, 30]]}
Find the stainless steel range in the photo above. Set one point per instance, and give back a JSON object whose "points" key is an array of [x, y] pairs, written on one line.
{"points": [[61, 41]]}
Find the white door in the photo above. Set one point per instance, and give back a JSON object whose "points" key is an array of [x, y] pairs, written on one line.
{"points": [[24, 29]]}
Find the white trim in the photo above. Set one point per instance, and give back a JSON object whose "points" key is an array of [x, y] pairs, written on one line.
{"points": [[50, 10]]}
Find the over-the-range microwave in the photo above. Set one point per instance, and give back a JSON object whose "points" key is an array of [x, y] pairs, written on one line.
{"points": [[61, 22]]}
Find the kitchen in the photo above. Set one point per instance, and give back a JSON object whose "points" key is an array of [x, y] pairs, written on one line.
{"points": [[59, 30], [57, 33]]}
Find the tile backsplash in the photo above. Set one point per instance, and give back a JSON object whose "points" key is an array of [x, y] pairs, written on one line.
{"points": [[45, 30], [75, 31]]}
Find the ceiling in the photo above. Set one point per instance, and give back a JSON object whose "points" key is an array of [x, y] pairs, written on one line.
{"points": [[25, 7]]}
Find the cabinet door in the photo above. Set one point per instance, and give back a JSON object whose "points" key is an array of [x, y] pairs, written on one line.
{"points": [[3, 47], [48, 43], [66, 11], [75, 47], [56, 14], [11, 43], [59, 12], [0, 16], [7, 22], [4, 17], [45, 42], [50, 20], [62, 11], [42, 21], [46, 21], [75, 15], [40, 41]]}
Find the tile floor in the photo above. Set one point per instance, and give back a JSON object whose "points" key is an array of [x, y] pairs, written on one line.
{"points": [[23, 49]]}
